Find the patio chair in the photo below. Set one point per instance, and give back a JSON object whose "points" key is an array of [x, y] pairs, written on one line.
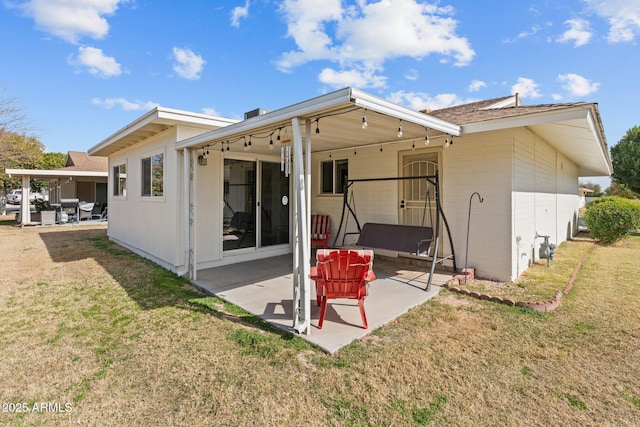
{"points": [[342, 274], [85, 210], [320, 231]]}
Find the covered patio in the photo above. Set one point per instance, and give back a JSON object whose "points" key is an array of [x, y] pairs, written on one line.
{"points": [[347, 119], [264, 288]]}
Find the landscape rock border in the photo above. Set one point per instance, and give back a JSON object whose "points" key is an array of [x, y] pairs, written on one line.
{"points": [[455, 284]]}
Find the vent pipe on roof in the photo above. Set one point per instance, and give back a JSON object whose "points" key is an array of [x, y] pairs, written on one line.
{"points": [[254, 113], [517, 99]]}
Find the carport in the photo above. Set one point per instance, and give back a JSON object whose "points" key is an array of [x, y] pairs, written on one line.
{"points": [[60, 176]]}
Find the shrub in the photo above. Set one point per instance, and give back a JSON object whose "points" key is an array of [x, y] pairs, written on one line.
{"points": [[612, 218]]}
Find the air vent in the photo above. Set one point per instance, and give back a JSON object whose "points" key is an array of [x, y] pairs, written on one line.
{"points": [[254, 113]]}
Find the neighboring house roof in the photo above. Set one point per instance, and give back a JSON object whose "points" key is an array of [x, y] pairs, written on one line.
{"points": [[78, 160], [574, 129]]}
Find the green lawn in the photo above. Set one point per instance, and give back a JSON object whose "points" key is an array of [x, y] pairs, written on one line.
{"points": [[98, 336]]}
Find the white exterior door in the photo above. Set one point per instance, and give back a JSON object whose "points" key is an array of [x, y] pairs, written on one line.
{"points": [[417, 204]]}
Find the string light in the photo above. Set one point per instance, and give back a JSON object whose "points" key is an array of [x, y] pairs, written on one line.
{"points": [[317, 128], [413, 145], [381, 148], [364, 120], [446, 143], [400, 129], [426, 138]]}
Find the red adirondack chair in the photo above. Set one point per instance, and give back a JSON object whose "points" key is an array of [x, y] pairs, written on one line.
{"points": [[320, 231], [342, 274]]}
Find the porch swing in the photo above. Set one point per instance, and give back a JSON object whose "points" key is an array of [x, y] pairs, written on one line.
{"points": [[416, 241]]}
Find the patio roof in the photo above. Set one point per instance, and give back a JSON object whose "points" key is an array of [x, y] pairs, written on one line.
{"points": [[338, 117], [43, 174]]}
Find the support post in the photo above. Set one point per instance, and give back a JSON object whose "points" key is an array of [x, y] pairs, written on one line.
{"points": [[25, 210], [302, 321]]}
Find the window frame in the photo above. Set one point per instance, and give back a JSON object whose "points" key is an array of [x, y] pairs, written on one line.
{"points": [[150, 159], [119, 190], [335, 180]]}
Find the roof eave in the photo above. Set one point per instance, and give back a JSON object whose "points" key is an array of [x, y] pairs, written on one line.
{"points": [[158, 115], [587, 112]]}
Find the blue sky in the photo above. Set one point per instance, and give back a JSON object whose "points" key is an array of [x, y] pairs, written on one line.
{"points": [[83, 69]]}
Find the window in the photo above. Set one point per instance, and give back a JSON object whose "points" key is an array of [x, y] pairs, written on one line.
{"points": [[120, 180], [153, 176], [334, 174]]}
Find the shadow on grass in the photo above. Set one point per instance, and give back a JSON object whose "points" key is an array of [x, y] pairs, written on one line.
{"points": [[149, 285]]}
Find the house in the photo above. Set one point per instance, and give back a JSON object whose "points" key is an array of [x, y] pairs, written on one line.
{"points": [[83, 177], [191, 191]]}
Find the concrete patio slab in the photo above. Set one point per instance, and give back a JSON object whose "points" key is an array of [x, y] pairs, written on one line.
{"points": [[265, 288]]}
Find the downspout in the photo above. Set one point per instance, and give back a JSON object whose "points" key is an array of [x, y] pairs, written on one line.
{"points": [[186, 174], [193, 223]]}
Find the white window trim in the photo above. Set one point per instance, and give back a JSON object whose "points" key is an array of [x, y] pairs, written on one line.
{"points": [[126, 185], [333, 176], [149, 155]]}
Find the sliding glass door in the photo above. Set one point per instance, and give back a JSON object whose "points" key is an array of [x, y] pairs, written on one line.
{"points": [[252, 204]]}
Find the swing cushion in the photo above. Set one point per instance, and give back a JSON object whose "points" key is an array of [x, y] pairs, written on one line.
{"points": [[412, 239], [320, 231]]}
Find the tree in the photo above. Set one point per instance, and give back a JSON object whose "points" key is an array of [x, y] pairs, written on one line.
{"points": [[620, 190], [625, 156], [18, 151], [597, 190], [53, 161], [12, 116]]}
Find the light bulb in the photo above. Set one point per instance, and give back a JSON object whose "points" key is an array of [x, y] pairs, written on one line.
{"points": [[271, 144], [446, 143], [426, 140], [364, 122], [400, 132]]}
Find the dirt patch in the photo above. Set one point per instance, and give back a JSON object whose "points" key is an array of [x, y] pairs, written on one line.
{"points": [[454, 301]]}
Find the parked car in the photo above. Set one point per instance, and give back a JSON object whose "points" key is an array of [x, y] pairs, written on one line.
{"points": [[15, 196]]}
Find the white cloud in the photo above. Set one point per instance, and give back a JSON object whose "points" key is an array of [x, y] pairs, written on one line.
{"points": [[125, 104], [577, 85], [476, 85], [579, 32], [623, 17], [361, 79], [238, 13], [187, 64], [411, 74], [423, 101], [210, 111], [365, 35], [527, 88], [72, 19], [96, 62]]}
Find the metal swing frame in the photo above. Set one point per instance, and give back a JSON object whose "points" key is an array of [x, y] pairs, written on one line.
{"points": [[430, 179]]}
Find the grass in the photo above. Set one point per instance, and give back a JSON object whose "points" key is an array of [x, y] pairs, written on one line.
{"points": [[541, 281], [125, 342]]}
